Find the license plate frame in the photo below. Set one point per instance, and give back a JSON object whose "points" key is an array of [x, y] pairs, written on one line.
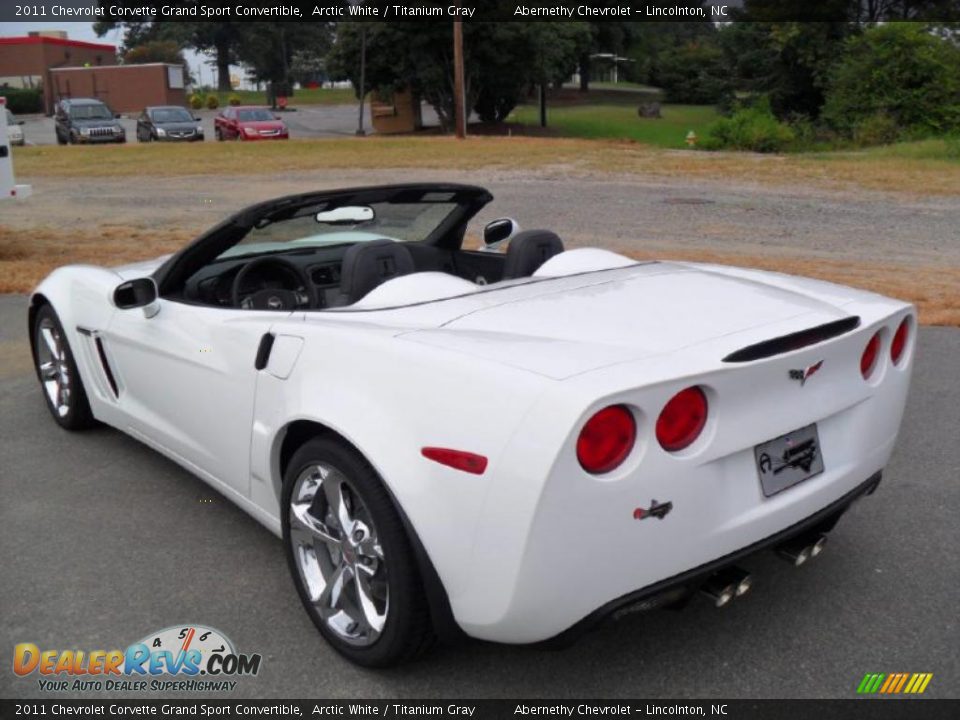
{"points": [[789, 459]]}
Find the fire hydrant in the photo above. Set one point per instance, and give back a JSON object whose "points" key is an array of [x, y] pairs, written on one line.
{"points": [[691, 138]]}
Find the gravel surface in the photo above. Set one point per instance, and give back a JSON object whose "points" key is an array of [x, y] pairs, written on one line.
{"points": [[629, 213]]}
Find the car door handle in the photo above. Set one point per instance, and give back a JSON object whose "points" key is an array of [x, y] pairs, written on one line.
{"points": [[263, 352]]}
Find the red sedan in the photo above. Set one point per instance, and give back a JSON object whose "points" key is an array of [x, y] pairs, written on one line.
{"points": [[249, 123]]}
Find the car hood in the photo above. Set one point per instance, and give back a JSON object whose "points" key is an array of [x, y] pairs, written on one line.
{"points": [[565, 326]]}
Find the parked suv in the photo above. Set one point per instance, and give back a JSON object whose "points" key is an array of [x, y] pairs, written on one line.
{"points": [[85, 120]]}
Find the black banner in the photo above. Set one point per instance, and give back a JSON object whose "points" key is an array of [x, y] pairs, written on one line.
{"points": [[867, 709], [59, 11]]}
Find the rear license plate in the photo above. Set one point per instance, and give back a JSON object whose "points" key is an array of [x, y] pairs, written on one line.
{"points": [[788, 459]]}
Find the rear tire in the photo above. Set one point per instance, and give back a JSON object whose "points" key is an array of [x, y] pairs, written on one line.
{"points": [[350, 557], [57, 372]]}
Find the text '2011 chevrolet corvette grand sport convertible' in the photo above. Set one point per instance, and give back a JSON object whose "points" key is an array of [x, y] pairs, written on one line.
{"points": [[508, 445]]}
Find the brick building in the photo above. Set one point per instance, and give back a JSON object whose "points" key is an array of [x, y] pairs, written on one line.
{"points": [[27, 61], [125, 88]]}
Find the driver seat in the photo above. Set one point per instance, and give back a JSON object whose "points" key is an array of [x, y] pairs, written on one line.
{"points": [[369, 264]]}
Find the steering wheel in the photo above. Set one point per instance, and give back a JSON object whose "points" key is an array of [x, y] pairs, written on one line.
{"points": [[299, 293]]}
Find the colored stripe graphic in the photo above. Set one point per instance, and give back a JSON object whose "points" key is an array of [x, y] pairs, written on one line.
{"points": [[894, 683]]}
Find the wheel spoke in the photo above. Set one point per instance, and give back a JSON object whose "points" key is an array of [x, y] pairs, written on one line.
{"points": [[333, 486], [332, 594], [301, 517], [372, 617], [48, 370], [51, 342]]}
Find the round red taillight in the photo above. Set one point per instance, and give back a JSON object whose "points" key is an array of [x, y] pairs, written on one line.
{"points": [[606, 439], [682, 419], [868, 361], [899, 343]]}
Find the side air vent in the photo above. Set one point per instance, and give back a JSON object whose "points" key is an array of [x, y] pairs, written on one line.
{"points": [[108, 373], [793, 341]]}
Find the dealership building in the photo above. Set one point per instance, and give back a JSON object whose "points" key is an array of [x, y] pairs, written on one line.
{"points": [[72, 68]]}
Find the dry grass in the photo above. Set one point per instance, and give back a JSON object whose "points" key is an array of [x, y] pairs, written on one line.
{"points": [[929, 175], [27, 256]]}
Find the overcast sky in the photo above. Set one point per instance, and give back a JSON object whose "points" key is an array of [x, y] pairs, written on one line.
{"points": [[84, 31]]}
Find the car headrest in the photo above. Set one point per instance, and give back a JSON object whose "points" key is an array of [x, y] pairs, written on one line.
{"points": [[528, 250], [368, 264]]}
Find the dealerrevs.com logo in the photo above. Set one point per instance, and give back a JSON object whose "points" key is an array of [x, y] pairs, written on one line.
{"points": [[178, 658]]}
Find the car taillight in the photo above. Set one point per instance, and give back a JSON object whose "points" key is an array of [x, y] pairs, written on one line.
{"points": [[868, 360], [899, 343], [606, 439], [682, 419]]}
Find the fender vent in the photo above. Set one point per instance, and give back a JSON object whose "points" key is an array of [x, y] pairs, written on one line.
{"points": [[793, 341], [108, 373]]}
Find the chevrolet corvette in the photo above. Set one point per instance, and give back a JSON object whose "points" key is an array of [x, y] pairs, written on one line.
{"points": [[508, 445]]}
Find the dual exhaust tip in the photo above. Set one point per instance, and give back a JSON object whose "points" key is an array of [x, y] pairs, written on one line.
{"points": [[801, 549], [733, 582]]}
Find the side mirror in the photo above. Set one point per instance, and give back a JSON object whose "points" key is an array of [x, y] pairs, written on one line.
{"points": [[116, 116], [135, 293], [20, 122], [196, 118], [498, 231]]}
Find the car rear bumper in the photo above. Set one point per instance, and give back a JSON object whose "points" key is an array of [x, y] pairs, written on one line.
{"points": [[681, 586]]}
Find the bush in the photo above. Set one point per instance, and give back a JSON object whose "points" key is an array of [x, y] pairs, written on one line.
{"points": [[23, 100], [196, 101], [879, 129], [213, 102], [234, 100], [752, 128], [899, 71]]}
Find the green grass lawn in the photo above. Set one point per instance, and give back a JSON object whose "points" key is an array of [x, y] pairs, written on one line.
{"points": [[306, 96], [621, 122]]}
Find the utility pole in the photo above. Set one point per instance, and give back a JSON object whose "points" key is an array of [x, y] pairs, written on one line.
{"points": [[458, 98], [363, 76]]}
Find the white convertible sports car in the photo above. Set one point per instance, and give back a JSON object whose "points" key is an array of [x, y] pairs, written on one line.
{"points": [[511, 446]]}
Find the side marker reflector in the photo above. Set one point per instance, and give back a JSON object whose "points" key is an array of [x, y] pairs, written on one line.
{"points": [[457, 459]]}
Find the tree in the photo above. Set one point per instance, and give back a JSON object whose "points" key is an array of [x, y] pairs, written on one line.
{"points": [[268, 49], [899, 71], [694, 73], [501, 60], [154, 51]]}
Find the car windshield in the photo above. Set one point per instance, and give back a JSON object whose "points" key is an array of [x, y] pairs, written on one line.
{"points": [[171, 115], [319, 225], [256, 114], [90, 112]]}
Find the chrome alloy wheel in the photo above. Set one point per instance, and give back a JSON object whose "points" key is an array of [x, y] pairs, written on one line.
{"points": [[52, 365], [338, 555]]}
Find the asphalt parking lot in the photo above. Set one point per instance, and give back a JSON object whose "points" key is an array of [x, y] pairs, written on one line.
{"points": [[306, 121], [104, 541]]}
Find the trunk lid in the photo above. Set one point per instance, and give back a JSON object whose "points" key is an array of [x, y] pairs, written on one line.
{"points": [[624, 315]]}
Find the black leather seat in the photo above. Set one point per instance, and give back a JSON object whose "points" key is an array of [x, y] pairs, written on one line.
{"points": [[528, 250], [368, 264]]}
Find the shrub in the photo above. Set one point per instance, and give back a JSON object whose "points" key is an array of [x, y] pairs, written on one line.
{"points": [[23, 100], [196, 101], [878, 129], [751, 128], [213, 102], [234, 100], [897, 70]]}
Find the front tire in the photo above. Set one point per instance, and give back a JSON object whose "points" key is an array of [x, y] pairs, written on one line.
{"points": [[350, 557], [57, 371]]}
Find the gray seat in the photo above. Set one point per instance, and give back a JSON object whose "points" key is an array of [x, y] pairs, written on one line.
{"points": [[368, 264], [528, 250]]}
